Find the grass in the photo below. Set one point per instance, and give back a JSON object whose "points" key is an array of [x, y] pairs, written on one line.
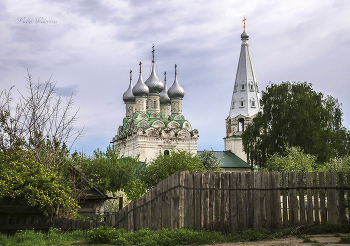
{"points": [[146, 237]]}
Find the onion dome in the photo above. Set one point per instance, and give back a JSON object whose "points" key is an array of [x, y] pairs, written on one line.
{"points": [[154, 84], [176, 91], [128, 96], [244, 35], [140, 89], [163, 95]]}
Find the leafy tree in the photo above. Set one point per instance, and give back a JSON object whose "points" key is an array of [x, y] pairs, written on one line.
{"points": [[22, 177], [210, 160], [295, 115], [162, 166], [295, 160], [109, 171]]}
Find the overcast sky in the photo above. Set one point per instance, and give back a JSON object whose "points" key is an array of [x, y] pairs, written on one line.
{"points": [[89, 46]]}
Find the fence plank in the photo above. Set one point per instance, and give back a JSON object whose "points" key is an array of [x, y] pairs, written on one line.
{"points": [[322, 199], [189, 203], [241, 201], [250, 199], [204, 199], [225, 184], [147, 219], [316, 201], [331, 199], [197, 198], [217, 197], [233, 200], [302, 199], [284, 201], [182, 176], [257, 205], [276, 201], [293, 200], [175, 200], [211, 199], [166, 216], [309, 208], [268, 200], [342, 215]]}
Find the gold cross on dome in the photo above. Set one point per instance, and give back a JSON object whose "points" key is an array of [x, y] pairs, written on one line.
{"points": [[153, 53], [130, 75], [165, 77], [244, 19], [140, 66], [175, 69]]}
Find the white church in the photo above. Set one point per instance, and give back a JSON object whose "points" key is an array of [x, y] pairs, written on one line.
{"points": [[154, 122]]}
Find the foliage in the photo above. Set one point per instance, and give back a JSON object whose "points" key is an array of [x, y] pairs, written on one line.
{"points": [[22, 177], [294, 160], [295, 115], [210, 161], [162, 237], [162, 166], [40, 122], [110, 171], [340, 164]]}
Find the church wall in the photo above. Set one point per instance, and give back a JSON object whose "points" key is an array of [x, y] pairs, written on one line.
{"points": [[149, 147], [235, 145]]}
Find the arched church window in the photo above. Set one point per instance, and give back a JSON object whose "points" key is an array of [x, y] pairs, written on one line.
{"points": [[155, 104], [253, 104], [240, 125], [251, 86], [242, 104], [242, 87], [166, 152]]}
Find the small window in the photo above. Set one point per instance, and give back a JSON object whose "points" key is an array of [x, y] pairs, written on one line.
{"points": [[155, 104], [242, 104], [166, 152], [240, 125], [242, 87], [233, 104], [251, 87], [253, 103]]}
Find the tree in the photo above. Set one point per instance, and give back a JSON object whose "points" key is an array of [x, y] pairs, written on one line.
{"points": [[295, 160], [110, 171], [295, 115], [40, 123], [37, 131], [162, 166], [210, 160]]}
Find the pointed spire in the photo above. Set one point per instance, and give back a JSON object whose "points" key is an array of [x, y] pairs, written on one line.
{"points": [[163, 95], [246, 95], [176, 91], [128, 95], [154, 84], [140, 89]]}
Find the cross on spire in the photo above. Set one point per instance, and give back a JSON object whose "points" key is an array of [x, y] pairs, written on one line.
{"points": [[130, 75], [165, 77], [153, 53], [244, 19], [175, 69], [140, 66]]}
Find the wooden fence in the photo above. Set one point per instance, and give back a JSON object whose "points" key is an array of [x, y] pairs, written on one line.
{"points": [[240, 200], [14, 216]]}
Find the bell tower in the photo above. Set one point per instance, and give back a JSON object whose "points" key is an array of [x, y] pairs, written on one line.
{"points": [[245, 103]]}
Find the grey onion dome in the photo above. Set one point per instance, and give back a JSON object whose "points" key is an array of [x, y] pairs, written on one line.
{"points": [[154, 84], [163, 95], [244, 35], [176, 91], [128, 96], [140, 89]]}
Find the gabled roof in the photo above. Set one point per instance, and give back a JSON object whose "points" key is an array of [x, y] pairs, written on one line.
{"points": [[229, 159]]}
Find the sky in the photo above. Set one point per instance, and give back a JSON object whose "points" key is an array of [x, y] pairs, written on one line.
{"points": [[88, 48]]}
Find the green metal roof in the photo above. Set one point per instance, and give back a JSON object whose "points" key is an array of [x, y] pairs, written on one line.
{"points": [[229, 159]]}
